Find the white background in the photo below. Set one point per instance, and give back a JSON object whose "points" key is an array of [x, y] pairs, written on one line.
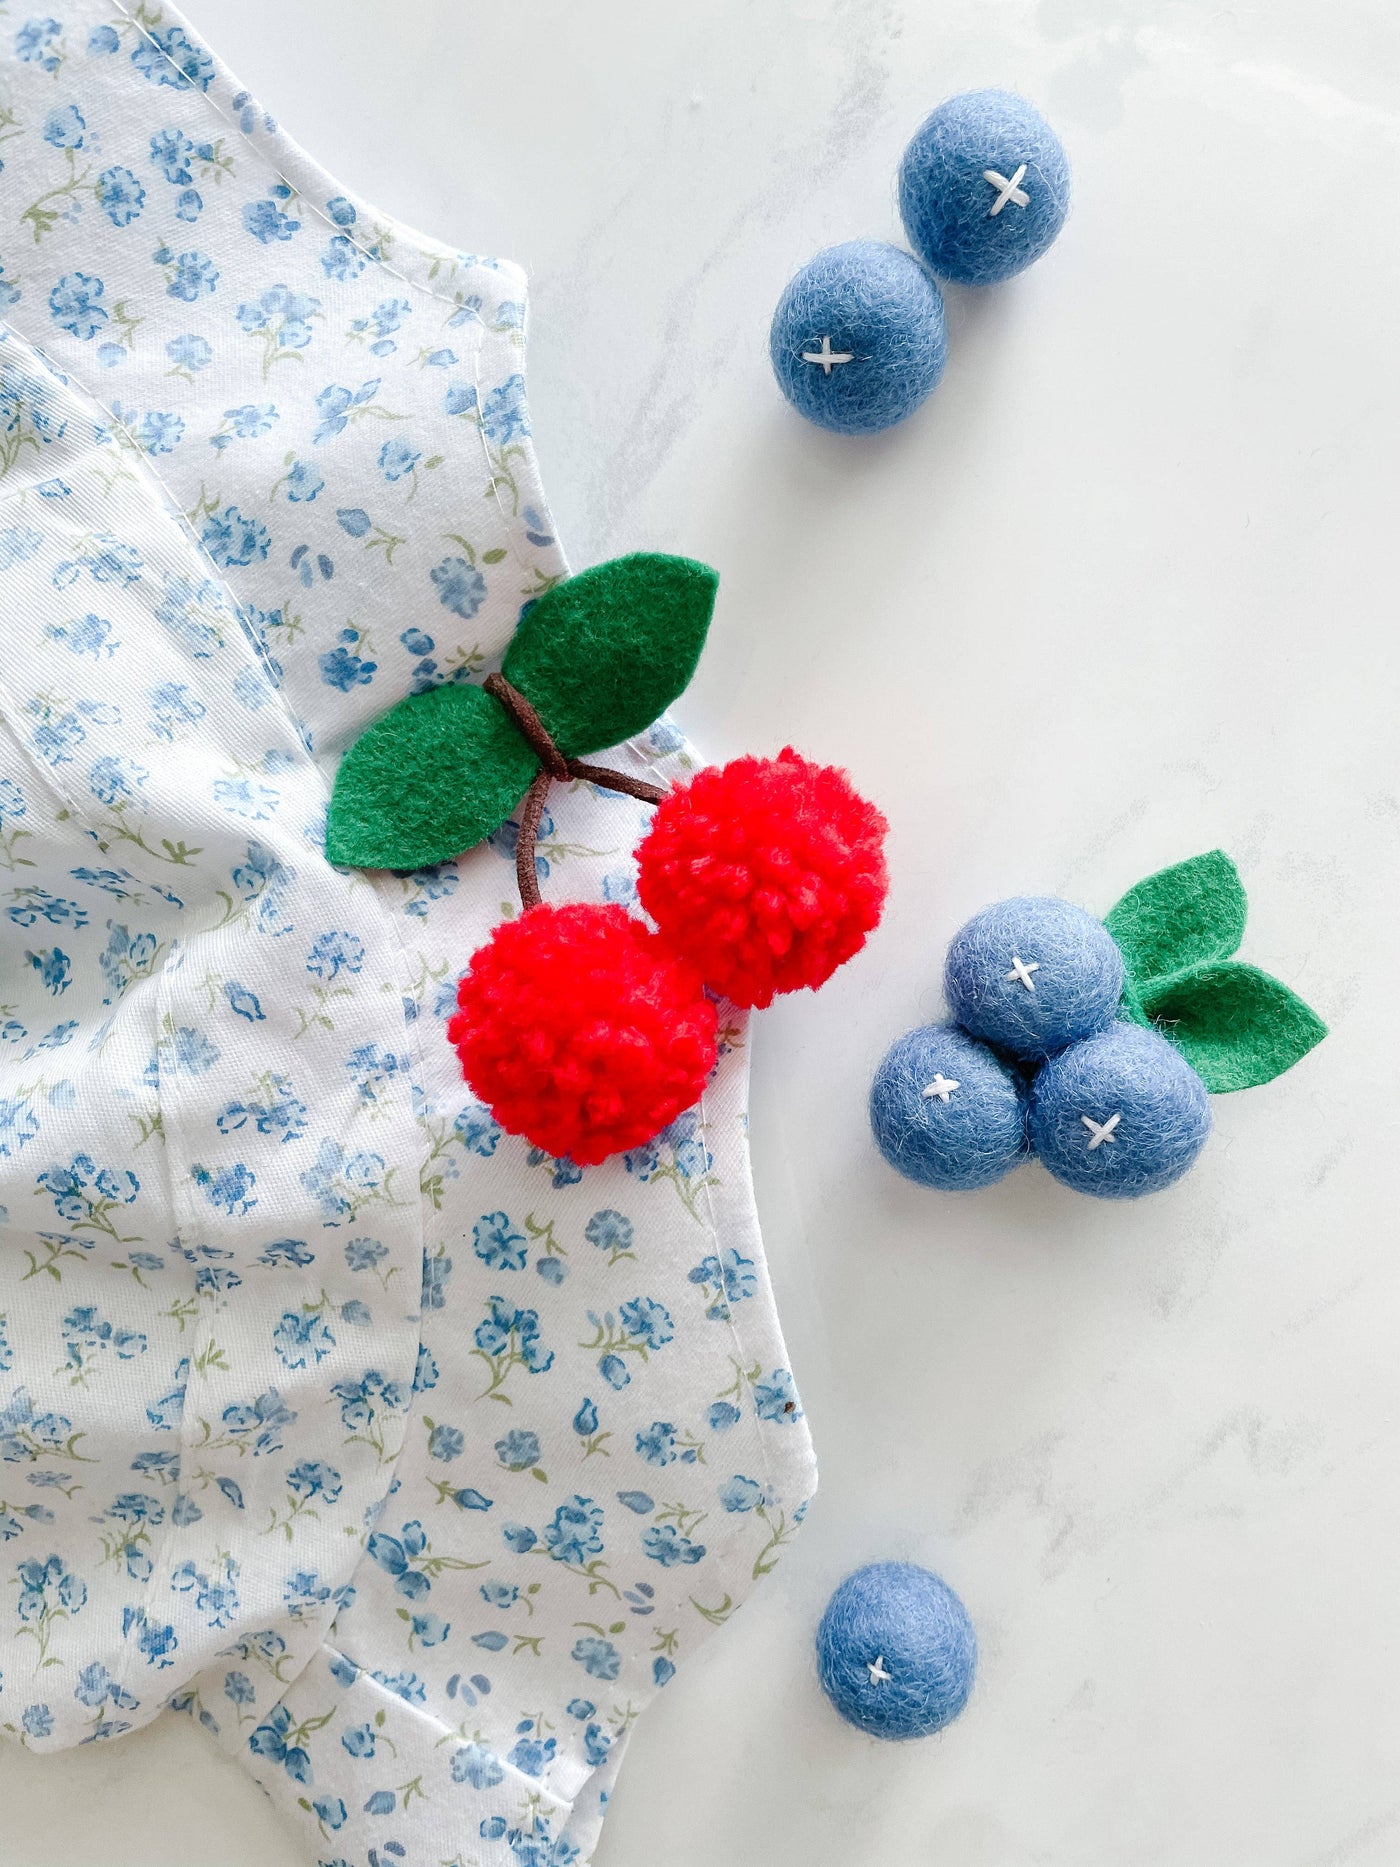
{"points": [[1123, 590]]}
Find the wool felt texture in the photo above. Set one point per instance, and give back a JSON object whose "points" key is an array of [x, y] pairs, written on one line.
{"points": [[1236, 1025], [859, 338], [984, 187], [593, 662], [767, 874], [946, 1111], [438, 773], [603, 654], [580, 1029], [896, 1651], [1033, 974], [287, 1231], [1119, 1114]]}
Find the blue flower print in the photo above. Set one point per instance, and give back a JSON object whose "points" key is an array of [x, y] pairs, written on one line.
{"points": [[232, 540], [18, 1126], [344, 670], [238, 1688], [242, 1002], [575, 1531], [188, 275], [18, 542], [446, 1443], [53, 967], [270, 1740], [249, 420], [37, 1721], [615, 1372], [39, 42], [65, 127], [585, 1421], [74, 307], [503, 415], [609, 1231], [48, 1588], [657, 1444], [96, 1687], [596, 1744], [189, 353], [460, 399], [334, 953], [722, 1415], [120, 196], [395, 1556], [497, 1243], [359, 1740], [532, 1755], [362, 1402], [301, 1340], [477, 1765], [302, 482], [337, 404], [740, 1494], [313, 1478], [282, 318], [436, 1271], [265, 219], [665, 1544], [647, 1322], [230, 1190], [477, 1130], [727, 1277], [519, 1451], [460, 586], [599, 1658], [362, 1254], [342, 259], [508, 1335], [776, 1398], [170, 152], [116, 780], [167, 55], [159, 432], [396, 458], [260, 1423], [640, 1503]]}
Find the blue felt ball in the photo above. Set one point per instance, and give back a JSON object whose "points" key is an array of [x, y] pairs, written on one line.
{"points": [[1119, 1115], [896, 1652], [946, 1112], [858, 339], [1033, 974], [983, 187]]}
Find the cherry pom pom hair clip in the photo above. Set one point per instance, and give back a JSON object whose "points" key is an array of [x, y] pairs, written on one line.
{"points": [[580, 1026], [1092, 1046]]}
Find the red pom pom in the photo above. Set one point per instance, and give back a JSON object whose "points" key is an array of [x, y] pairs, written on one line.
{"points": [[580, 1029], [767, 873]]}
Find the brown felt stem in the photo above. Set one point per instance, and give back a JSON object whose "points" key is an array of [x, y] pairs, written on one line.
{"points": [[525, 846], [553, 765]]}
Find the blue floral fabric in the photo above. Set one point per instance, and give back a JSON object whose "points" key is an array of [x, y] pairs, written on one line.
{"points": [[409, 1462]]}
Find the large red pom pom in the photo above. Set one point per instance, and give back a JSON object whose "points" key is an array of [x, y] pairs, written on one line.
{"points": [[767, 873], [580, 1029]]}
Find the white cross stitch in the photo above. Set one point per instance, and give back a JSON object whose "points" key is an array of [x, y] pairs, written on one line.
{"points": [[1022, 971], [942, 1087], [1010, 190], [1099, 1132], [876, 1669], [828, 357]]}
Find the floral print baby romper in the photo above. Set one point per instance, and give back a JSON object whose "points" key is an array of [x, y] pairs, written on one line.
{"points": [[409, 1462]]}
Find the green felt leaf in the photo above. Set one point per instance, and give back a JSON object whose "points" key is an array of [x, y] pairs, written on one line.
{"points": [[439, 772], [603, 654], [1178, 918], [1236, 1026]]}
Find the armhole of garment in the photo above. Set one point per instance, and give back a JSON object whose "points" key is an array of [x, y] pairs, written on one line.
{"points": [[494, 292]]}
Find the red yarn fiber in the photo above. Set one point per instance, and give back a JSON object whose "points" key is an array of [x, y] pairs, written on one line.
{"points": [[582, 1030], [766, 873]]}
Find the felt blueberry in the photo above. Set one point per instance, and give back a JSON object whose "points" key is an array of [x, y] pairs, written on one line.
{"points": [[947, 1112], [1119, 1115], [1033, 974], [983, 187], [896, 1652], [858, 339]]}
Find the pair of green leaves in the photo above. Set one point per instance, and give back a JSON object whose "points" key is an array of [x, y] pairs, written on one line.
{"points": [[599, 657], [1236, 1026]]}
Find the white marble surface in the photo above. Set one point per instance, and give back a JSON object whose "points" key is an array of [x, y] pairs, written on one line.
{"points": [[1122, 591]]}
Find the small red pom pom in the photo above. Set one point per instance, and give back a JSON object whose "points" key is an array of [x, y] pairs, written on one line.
{"points": [[580, 1029], [767, 873]]}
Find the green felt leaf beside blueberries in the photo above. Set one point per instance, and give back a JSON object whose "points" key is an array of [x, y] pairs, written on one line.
{"points": [[1191, 912], [1236, 1026], [603, 654], [436, 775]]}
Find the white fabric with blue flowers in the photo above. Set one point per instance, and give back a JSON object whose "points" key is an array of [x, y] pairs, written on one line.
{"points": [[407, 1461]]}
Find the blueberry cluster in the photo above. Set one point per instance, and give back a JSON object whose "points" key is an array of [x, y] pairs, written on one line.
{"points": [[859, 338], [1037, 1060]]}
